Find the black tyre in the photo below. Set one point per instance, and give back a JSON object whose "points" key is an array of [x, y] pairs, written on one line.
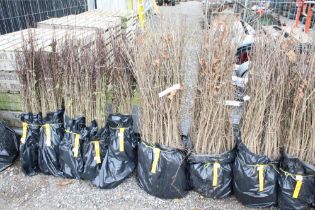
{"points": [[173, 2]]}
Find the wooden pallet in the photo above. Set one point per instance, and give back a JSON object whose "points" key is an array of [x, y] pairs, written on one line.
{"points": [[10, 102], [129, 19], [12, 43], [11, 118], [9, 82], [81, 22]]}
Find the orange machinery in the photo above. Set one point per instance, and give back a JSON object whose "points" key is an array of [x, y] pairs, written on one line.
{"points": [[304, 4]]}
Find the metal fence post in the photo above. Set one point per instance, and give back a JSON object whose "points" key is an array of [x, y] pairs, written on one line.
{"points": [[245, 10], [141, 13]]}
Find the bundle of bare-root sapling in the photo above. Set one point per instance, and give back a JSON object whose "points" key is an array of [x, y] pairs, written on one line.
{"points": [[85, 90], [122, 79], [210, 165], [86, 78], [157, 69], [27, 63], [262, 127], [52, 131], [297, 166]]}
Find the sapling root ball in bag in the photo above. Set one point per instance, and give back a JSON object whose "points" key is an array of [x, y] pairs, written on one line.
{"points": [[211, 175], [93, 149], [9, 146], [120, 157], [31, 124], [210, 165], [70, 148], [162, 171], [51, 135], [296, 184], [255, 179], [262, 127]]}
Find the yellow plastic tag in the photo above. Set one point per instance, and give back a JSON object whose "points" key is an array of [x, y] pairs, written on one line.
{"points": [[76, 145], [121, 140], [261, 180], [299, 182], [216, 167], [156, 157], [97, 157], [48, 134], [24, 132]]}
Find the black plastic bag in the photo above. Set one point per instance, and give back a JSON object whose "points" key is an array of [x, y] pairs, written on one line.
{"points": [[93, 148], [296, 184], [187, 142], [255, 179], [162, 171], [70, 148], [31, 124], [9, 147], [51, 135], [211, 175], [120, 156]]}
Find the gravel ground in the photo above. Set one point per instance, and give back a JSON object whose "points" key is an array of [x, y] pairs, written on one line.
{"points": [[47, 192]]}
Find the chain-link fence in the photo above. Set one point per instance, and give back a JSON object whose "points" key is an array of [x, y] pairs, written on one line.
{"points": [[271, 12], [275, 10], [20, 14]]}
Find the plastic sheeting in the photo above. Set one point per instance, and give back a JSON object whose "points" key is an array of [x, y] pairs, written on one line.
{"points": [[162, 171], [120, 156], [211, 175], [30, 143], [51, 135], [9, 147]]}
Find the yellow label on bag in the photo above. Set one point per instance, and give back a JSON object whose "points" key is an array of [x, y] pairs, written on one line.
{"points": [[121, 139], [48, 134], [156, 157], [215, 178], [97, 157], [299, 182], [76, 145], [261, 180], [24, 132]]}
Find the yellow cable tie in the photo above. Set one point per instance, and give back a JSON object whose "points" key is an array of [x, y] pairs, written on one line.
{"points": [[24, 132], [299, 182], [76, 145], [216, 167], [121, 139], [97, 157], [156, 157], [48, 134], [260, 170]]}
